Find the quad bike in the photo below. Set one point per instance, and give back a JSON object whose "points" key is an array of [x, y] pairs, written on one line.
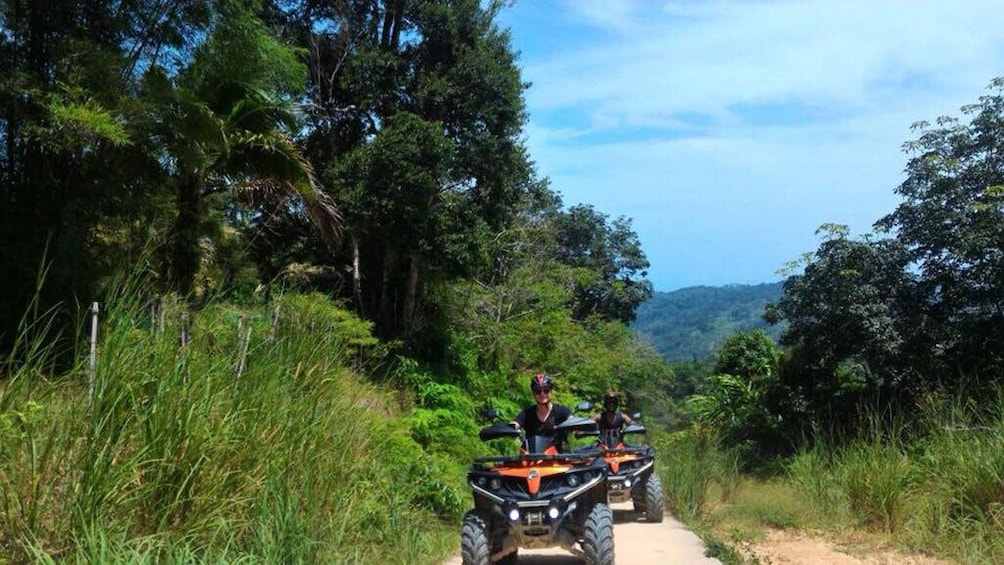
{"points": [[538, 498], [632, 470]]}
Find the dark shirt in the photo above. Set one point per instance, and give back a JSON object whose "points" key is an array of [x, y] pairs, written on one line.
{"points": [[528, 420], [617, 422]]}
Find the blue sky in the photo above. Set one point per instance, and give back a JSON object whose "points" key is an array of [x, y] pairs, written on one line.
{"points": [[729, 131]]}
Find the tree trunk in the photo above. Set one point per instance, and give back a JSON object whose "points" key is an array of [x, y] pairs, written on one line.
{"points": [[410, 296], [357, 285], [185, 239], [385, 317]]}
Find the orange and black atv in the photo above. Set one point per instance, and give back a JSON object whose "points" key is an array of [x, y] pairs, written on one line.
{"points": [[632, 470], [539, 498]]}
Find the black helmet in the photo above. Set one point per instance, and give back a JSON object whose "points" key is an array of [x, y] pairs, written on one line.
{"points": [[541, 381], [610, 400]]}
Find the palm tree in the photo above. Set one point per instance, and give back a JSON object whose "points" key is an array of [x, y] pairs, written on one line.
{"points": [[227, 125]]}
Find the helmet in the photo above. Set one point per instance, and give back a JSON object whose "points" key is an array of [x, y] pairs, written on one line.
{"points": [[541, 381], [610, 400]]}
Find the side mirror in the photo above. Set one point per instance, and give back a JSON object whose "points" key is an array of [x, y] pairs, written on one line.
{"points": [[490, 414], [583, 406], [636, 415]]}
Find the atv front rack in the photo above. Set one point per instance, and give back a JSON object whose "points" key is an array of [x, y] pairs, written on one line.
{"points": [[573, 458], [630, 450]]}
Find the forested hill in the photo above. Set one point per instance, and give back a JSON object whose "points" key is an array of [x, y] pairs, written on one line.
{"points": [[691, 323]]}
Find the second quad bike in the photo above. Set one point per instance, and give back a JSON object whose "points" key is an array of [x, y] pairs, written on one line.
{"points": [[632, 470], [538, 498]]}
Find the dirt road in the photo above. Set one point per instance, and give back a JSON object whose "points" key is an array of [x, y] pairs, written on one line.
{"points": [[636, 542]]}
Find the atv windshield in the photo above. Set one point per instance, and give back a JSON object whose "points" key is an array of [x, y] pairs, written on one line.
{"points": [[610, 438], [538, 444]]}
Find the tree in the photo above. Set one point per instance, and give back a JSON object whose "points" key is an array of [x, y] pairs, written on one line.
{"points": [[951, 222], [853, 320], [392, 192], [75, 184], [227, 125], [749, 354], [441, 68], [615, 264]]}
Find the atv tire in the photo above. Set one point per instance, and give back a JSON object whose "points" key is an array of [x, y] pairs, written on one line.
{"points": [[474, 542], [598, 536], [638, 497], [653, 499]]}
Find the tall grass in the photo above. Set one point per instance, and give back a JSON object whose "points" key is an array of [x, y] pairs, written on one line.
{"points": [[931, 480], [939, 488], [229, 449], [690, 464]]}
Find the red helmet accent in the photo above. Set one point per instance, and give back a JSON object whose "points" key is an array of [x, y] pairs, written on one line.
{"points": [[541, 381]]}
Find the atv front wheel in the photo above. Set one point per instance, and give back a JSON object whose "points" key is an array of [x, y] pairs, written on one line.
{"points": [[598, 537], [474, 547], [638, 498], [653, 499]]}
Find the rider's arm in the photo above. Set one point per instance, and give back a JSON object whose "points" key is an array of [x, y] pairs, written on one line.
{"points": [[627, 419], [520, 420]]}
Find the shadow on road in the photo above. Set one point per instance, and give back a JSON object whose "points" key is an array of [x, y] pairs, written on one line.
{"points": [[529, 559], [626, 516]]}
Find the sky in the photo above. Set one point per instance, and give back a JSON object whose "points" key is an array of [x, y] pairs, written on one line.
{"points": [[730, 131]]}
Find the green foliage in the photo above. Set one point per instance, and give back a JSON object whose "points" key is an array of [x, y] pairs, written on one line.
{"points": [[82, 124], [747, 409], [876, 480], [751, 354], [811, 473], [692, 323], [177, 455], [612, 256], [883, 320], [691, 462], [950, 222], [312, 313]]}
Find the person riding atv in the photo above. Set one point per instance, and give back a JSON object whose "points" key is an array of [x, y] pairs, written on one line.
{"points": [[632, 466], [541, 497], [611, 420], [540, 418]]}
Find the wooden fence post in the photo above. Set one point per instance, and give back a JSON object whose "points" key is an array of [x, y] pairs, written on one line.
{"points": [[244, 336], [92, 365], [185, 338]]}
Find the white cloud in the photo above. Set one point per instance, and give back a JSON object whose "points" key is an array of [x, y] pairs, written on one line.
{"points": [[832, 53], [747, 183]]}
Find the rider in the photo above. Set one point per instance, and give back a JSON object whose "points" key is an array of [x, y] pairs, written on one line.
{"points": [[611, 420], [541, 418]]}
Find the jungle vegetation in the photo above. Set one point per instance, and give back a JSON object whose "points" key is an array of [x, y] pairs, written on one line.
{"points": [[693, 323], [320, 247]]}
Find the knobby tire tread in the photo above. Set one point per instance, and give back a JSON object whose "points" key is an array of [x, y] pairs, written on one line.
{"points": [[653, 499], [474, 543], [598, 537]]}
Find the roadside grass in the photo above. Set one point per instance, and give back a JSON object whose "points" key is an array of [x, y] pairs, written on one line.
{"points": [[938, 490], [255, 441]]}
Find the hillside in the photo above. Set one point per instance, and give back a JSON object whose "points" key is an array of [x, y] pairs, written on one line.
{"points": [[690, 323]]}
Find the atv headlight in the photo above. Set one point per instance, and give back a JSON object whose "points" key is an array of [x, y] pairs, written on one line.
{"points": [[627, 483], [481, 481], [511, 511], [495, 483], [572, 481]]}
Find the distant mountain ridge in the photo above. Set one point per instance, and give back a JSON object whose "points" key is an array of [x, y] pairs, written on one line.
{"points": [[691, 323]]}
